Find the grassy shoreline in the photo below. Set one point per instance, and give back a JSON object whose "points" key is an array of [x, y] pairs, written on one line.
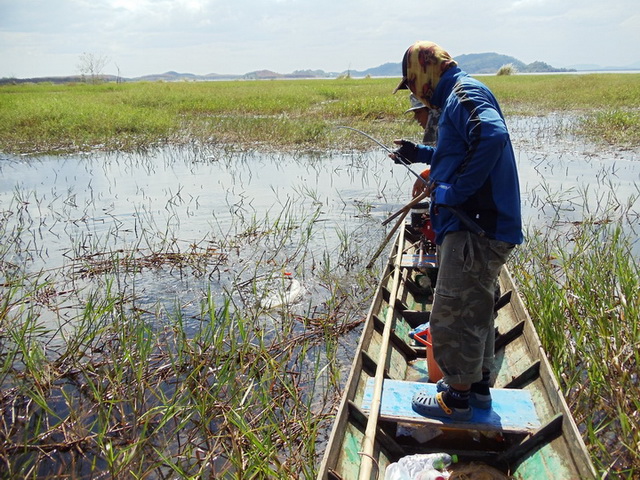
{"points": [[292, 114], [580, 283]]}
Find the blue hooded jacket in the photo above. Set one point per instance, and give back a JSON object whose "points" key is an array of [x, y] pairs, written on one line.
{"points": [[474, 155]]}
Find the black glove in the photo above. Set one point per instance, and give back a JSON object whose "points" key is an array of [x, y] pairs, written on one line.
{"points": [[407, 153]]}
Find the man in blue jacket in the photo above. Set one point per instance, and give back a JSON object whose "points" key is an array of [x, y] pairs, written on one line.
{"points": [[475, 212]]}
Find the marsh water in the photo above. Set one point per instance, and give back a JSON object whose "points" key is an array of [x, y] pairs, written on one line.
{"points": [[168, 233], [209, 219], [194, 222]]}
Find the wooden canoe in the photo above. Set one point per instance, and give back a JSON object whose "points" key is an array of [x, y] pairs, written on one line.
{"points": [[528, 434]]}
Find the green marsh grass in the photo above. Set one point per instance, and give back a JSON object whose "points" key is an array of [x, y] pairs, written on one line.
{"points": [[581, 282], [124, 399], [607, 106], [296, 114]]}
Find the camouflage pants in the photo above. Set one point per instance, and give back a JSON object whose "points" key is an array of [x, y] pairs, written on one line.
{"points": [[462, 318]]}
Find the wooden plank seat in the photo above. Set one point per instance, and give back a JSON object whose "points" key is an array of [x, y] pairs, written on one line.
{"points": [[415, 260], [512, 410]]}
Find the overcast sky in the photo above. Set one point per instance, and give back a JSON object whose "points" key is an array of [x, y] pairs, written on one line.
{"points": [[139, 37]]}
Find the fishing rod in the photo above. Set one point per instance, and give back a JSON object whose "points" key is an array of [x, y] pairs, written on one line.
{"points": [[404, 161], [462, 216]]}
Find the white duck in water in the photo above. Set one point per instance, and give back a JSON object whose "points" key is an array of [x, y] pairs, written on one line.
{"points": [[288, 292]]}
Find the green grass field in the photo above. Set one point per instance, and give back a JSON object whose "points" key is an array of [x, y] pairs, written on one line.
{"points": [[297, 114]]}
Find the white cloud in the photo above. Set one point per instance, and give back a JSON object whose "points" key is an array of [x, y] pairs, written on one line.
{"points": [[40, 37]]}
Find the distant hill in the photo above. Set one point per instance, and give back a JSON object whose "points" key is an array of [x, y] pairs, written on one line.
{"points": [[491, 62], [487, 62], [385, 70], [167, 77], [473, 63], [181, 77]]}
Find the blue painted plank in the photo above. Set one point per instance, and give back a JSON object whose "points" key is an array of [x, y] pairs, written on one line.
{"points": [[512, 410], [418, 261]]}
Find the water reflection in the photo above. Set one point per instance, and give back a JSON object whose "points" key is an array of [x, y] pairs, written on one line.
{"points": [[111, 201]]}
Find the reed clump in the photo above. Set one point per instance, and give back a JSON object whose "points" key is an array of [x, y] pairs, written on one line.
{"points": [[507, 69], [97, 383], [581, 282]]}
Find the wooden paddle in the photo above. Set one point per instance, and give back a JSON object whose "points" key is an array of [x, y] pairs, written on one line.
{"points": [[403, 213], [387, 238], [407, 207]]}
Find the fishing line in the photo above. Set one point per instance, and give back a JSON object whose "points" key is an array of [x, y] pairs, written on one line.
{"points": [[462, 216], [404, 161]]}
